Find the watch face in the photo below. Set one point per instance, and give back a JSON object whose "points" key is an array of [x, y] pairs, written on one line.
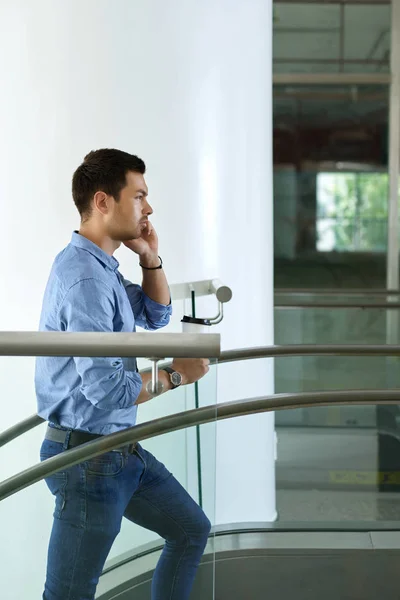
{"points": [[176, 378]]}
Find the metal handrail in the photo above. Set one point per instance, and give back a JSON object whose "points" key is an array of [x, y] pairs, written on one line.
{"points": [[245, 354], [335, 292], [351, 292], [19, 429], [309, 350], [199, 416], [146, 345], [364, 305]]}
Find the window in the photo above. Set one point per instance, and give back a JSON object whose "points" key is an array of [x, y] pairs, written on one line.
{"points": [[352, 212]]}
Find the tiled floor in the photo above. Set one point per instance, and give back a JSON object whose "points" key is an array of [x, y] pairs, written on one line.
{"points": [[314, 506]]}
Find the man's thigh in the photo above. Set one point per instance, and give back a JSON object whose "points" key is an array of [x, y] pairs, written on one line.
{"points": [[89, 503], [161, 504]]}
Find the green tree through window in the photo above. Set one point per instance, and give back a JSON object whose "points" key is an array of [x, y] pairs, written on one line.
{"points": [[352, 211]]}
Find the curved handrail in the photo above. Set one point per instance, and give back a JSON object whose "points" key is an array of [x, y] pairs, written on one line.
{"points": [[20, 428], [245, 354], [363, 305], [335, 292], [182, 420], [309, 350]]}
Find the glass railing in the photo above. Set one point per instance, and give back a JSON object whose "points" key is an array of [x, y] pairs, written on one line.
{"points": [[338, 475], [336, 501], [343, 477], [189, 454], [337, 463], [340, 509], [316, 318], [27, 517]]}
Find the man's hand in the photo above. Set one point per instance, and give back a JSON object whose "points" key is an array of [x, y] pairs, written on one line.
{"points": [[191, 369], [146, 246]]}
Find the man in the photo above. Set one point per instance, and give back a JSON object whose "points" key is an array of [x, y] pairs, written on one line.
{"points": [[84, 398]]}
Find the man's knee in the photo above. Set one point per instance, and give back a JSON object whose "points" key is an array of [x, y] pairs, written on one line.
{"points": [[206, 525], [201, 529]]}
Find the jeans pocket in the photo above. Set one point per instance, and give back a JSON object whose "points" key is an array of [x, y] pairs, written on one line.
{"points": [[106, 465]]}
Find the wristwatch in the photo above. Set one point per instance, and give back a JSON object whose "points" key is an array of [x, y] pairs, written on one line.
{"points": [[174, 376]]}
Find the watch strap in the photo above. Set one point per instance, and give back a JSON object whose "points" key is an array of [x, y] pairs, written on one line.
{"points": [[170, 372]]}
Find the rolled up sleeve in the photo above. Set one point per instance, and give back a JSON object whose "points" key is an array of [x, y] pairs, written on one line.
{"points": [[89, 306], [148, 314]]}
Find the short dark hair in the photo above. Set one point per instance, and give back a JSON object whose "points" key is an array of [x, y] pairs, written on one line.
{"points": [[102, 170]]}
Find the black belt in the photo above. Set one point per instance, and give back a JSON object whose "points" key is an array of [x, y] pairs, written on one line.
{"points": [[77, 438]]}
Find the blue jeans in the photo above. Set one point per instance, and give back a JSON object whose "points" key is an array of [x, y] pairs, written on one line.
{"points": [[90, 501]]}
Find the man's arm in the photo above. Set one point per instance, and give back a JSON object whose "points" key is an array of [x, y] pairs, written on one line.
{"points": [[191, 369], [88, 306], [151, 305], [149, 314], [154, 283]]}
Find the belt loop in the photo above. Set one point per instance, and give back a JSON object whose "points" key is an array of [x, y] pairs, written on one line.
{"points": [[67, 438]]}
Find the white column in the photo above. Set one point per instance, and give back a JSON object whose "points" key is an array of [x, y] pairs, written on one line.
{"points": [[187, 86]]}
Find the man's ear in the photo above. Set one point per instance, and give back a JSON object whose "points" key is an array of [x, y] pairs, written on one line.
{"points": [[101, 202]]}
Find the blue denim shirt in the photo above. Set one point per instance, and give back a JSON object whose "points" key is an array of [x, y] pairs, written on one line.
{"points": [[86, 292]]}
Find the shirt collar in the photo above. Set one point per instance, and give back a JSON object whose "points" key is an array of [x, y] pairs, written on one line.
{"points": [[80, 241]]}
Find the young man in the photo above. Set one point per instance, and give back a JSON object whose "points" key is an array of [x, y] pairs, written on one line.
{"points": [[84, 398]]}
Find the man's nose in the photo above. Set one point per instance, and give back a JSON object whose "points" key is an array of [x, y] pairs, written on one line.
{"points": [[147, 209]]}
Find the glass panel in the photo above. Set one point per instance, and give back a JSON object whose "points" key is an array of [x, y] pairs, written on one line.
{"points": [[303, 32], [367, 37], [25, 517], [182, 452], [329, 38], [339, 463], [34, 506], [319, 325], [338, 475], [330, 185], [190, 454], [313, 373]]}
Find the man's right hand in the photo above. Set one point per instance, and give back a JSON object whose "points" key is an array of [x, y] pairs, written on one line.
{"points": [[191, 369]]}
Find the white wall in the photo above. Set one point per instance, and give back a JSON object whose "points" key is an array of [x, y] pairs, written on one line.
{"points": [[187, 86]]}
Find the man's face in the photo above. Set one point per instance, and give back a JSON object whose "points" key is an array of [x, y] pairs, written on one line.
{"points": [[128, 217]]}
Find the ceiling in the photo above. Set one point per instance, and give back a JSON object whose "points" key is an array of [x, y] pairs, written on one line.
{"points": [[331, 37], [333, 121]]}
